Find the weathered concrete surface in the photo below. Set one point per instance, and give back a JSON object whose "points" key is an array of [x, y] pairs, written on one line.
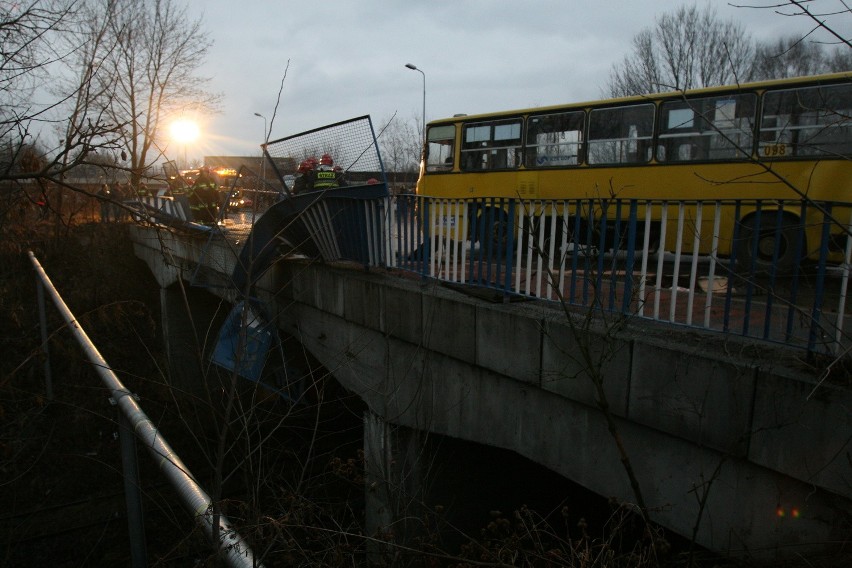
{"points": [[738, 441]]}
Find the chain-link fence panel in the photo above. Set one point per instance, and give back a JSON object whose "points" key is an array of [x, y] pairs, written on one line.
{"points": [[341, 222]]}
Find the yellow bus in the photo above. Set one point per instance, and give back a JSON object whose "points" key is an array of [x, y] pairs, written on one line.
{"points": [[760, 148]]}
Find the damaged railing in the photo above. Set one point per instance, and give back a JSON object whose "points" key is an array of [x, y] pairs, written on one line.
{"points": [[135, 425], [748, 268], [768, 270]]}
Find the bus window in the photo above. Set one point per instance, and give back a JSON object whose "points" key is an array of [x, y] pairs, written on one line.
{"points": [[439, 151], [621, 135], [554, 140], [492, 145], [810, 121], [712, 128]]}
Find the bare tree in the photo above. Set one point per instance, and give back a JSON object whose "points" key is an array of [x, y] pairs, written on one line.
{"points": [[840, 60], [401, 145], [42, 44], [686, 49], [91, 82], [152, 74], [47, 126], [795, 56]]}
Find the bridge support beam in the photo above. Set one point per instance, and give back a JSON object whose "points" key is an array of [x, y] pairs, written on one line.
{"points": [[179, 338], [186, 316], [394, 457]]}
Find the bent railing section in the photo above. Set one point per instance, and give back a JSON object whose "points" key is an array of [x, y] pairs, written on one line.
{"points": [[341, 224]]}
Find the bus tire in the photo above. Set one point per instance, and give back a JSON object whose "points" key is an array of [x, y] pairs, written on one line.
{"points": [[761, 263]]}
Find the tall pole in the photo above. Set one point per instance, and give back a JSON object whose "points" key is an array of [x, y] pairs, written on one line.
{"points": [[264, 125], [413, 67], [262, 165]]}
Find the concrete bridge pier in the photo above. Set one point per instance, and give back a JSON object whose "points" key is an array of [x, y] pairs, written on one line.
{"points": [[190, 319], [178, 338], [394, 457]]}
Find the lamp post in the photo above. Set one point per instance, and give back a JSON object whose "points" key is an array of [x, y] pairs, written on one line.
{"points": [[413, 67], [264, 125], [262, 160]]}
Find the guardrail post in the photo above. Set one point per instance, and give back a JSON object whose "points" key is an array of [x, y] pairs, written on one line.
{"points": [[42, 320], [426, 227], [132, 494]]}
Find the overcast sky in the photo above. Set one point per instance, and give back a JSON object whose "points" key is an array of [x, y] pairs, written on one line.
{"points": [[347, 59]]}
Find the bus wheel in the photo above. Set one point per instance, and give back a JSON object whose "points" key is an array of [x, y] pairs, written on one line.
{"points": [[772, 235]]}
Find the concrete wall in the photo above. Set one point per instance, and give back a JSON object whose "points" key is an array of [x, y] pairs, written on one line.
{"points": [[694, 423], [740, 438]]}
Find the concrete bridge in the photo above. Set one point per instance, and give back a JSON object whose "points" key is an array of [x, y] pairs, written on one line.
{"points": [[729, 440]]}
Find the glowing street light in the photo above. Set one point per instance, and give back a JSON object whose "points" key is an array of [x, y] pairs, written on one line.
{"points": [[184, 131]]}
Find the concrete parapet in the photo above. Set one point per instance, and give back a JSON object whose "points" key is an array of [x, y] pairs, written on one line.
{"points": [[453, 335], [803, 431], [573, 354], [693, 395], [507, 344]]}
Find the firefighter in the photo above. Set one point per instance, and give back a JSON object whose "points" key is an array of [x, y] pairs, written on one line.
{"points": [[304, 177], [204, 197], [325, 176]]}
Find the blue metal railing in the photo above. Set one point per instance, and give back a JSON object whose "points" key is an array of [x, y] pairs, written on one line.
{"points": [[774, 271], [749, 268]]}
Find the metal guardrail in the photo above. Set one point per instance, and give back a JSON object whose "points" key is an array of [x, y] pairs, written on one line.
{"points": [[233, 548], [345, 223], [656, 260], [618, 256]]}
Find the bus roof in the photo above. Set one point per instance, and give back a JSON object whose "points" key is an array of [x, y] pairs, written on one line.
{"points": [[791, 82]]}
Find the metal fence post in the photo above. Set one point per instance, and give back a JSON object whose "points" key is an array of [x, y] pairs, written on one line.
{"points": [[132, 493], [42, 320]]}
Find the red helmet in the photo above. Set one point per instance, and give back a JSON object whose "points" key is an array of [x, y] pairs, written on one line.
{"points": [[312, 161], [305, 167], [326, 160]]}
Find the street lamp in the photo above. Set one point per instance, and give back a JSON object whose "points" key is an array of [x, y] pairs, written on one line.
{"points": [[264, 125], [262, 160], [413, 67]]}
